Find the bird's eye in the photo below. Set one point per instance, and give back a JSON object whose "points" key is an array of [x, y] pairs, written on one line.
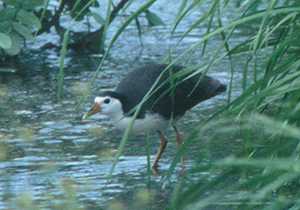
{"points": [[106, 101]]}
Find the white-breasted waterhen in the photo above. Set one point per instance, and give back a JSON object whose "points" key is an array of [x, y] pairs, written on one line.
{"points": [[167, 103]]}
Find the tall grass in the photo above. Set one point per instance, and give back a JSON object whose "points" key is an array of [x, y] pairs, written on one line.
{"points": [[265, 173]]}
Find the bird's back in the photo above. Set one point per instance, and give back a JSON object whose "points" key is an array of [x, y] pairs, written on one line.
{"points": [[166, 101]]}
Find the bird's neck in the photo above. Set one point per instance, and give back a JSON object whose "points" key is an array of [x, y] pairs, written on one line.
{"points": [[116, 116]]}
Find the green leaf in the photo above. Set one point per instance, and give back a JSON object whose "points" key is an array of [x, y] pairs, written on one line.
{"points": [[23, 31], [5, 41], [32, 4], [5, 26], [15, 3], [98, 18], [28, 18], [16, 44], [153, 19], [7, 13]]}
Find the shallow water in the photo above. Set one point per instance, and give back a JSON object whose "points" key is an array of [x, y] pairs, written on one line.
{"points": [[52, 157]]}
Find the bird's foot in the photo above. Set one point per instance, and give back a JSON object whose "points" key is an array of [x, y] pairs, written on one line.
{"points": [[155, 170]]}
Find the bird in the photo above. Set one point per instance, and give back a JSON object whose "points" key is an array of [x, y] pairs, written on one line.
{"points": [[174, 94]]}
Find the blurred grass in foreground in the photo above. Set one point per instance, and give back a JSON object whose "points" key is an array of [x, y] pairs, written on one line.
{"points": [[265, 173]]}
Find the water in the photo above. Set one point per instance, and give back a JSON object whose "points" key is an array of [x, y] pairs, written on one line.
{"points": [[53, 158]]}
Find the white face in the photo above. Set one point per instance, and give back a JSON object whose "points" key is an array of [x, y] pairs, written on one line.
{"points": [[110, 106]]}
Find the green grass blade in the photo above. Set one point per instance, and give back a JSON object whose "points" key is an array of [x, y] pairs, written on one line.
{"points": [[64, 48], [43, 14], [61, 63]]}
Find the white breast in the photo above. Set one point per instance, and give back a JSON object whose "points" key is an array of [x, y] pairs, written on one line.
{"points": [[148, 124]]}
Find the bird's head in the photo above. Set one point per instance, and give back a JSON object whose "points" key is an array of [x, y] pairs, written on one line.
{"points": [[106, 105]]}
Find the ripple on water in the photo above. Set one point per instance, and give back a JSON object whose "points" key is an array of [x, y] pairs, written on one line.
{"points": [[58, 125]]}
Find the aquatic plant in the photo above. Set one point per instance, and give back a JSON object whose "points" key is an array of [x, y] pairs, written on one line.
{"points": [[26, 19]]}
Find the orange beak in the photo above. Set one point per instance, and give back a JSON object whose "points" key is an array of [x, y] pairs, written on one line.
{"points": [[95, 109]]}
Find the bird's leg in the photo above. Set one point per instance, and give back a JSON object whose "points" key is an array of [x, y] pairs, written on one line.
{"points": [[163, 144], [179, 140]]}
